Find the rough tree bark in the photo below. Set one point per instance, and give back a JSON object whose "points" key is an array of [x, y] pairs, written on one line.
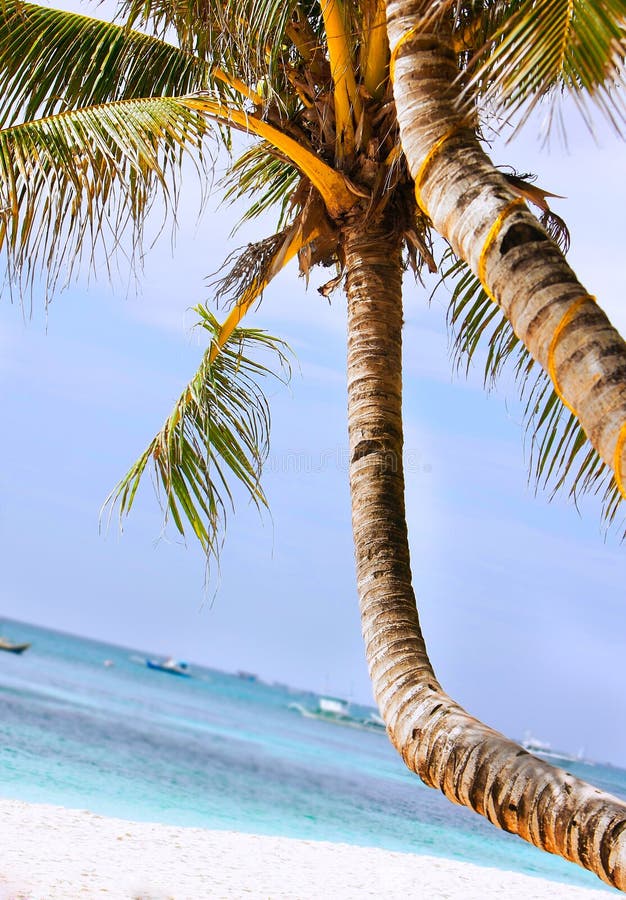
{"points": [[449, 749]]}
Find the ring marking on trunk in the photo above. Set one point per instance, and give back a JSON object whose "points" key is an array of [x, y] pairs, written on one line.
{"points": [[434, 150], [494, 231], [394, 53], [569, 314], [617, 461]]}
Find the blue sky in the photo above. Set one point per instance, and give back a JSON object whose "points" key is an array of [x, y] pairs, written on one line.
{"points": [[522, 600]]}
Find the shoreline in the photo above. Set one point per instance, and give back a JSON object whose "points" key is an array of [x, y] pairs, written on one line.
{"points": [[54, 853]]}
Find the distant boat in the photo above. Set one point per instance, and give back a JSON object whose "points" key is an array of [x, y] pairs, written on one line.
{"points": [[332, 709], [332, 706], [534, 745], [247, 676], [375, 721], [543, 748], [170, 666], [12, 648]]}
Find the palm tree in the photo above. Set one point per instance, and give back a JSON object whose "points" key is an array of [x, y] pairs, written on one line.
{"points": [[366, 151]]}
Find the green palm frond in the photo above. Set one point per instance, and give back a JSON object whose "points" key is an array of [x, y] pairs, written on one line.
{"points": [[246, 36], [534, 48], [476, 322], [269, 180], [83, 178], [217, 436], [560, 456], [262, 47], [52, 61], [195, 23]]}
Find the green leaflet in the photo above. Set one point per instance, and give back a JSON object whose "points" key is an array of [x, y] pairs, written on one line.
{"points": [[79, 180], [526, 50], [258, 174], [52, 61], [217, 436], [246, 36], [560, 456]]}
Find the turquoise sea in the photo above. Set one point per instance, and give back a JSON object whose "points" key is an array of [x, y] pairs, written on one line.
{"points": [[217, 751]]}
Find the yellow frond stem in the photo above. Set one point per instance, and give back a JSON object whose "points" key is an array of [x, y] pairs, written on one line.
{"points": [[236, 83], [331, 184], [347, 100], [293, 244], [376, 52]]}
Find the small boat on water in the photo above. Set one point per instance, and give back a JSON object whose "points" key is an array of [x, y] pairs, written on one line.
{"points": [[12, 648], [534, 745], [332, 709], [170, 666], [375, 722], [543, 748]]}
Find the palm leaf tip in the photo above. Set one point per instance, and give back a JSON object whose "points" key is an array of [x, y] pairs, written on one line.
{"points": [[215, 440], [524, 51]]}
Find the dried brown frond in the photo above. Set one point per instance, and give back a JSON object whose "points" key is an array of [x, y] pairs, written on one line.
{"points": [[245, 267], [553, 223]]}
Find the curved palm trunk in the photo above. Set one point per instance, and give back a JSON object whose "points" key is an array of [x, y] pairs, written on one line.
{"points": [[470, 204], [449, 749]]}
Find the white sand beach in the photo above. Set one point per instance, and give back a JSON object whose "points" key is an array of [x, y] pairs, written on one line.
{"points": [[50, 853]]}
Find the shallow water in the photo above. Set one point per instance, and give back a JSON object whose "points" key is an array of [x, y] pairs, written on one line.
{"points": [[216, 751]]}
